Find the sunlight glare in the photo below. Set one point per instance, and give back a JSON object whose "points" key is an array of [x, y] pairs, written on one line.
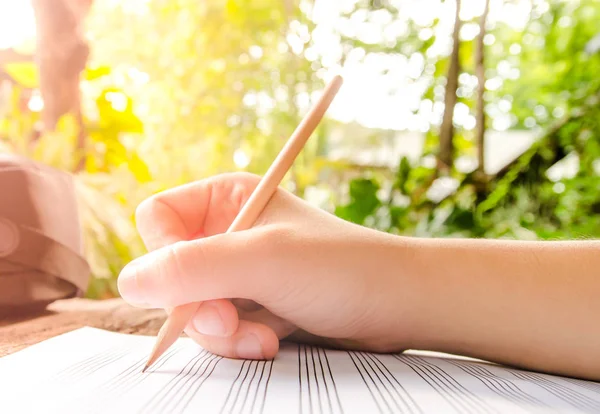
{"points": [[17, 23], [385, 100], [36, 103], [369, 97], [241, 159]]}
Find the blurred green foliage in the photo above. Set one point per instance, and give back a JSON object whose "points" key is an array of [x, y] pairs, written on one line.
{"points": [[555, 92], [180, 90]]}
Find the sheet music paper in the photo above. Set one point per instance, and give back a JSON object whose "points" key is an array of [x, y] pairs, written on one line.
{"points": [[93, 371]]}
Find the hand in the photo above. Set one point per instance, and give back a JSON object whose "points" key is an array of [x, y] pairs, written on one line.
{"points": [[318, 279]]}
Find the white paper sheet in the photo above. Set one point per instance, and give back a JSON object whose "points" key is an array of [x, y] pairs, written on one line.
{"points": [[93, 371]]}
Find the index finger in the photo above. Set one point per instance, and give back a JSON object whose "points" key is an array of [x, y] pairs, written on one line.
{"points": [[191, 211]]}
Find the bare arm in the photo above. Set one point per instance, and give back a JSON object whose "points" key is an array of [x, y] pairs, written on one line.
{"points": [[534, 305]]}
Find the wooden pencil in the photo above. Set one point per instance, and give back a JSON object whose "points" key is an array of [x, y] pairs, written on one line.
{"points": [[180, 316]]}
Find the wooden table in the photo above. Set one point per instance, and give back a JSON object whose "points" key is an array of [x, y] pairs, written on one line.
{"points": [[20, 331]]}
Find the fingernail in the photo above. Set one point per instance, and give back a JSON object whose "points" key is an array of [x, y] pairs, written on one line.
{"points": [[128, 284], [249, 347], [209, 321]]}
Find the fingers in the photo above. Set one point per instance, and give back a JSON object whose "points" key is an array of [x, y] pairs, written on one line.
{"points": [[257, 335], [195, 210], [216, 318], [251, 341], [237, 265]]}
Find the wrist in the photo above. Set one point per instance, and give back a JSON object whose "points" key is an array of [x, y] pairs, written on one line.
{"points": [[429, 305], [441, 318], [401, 294]]}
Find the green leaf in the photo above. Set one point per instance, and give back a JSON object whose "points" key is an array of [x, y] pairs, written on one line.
{"points": [[402, 175], [363, 201], [116, 112], [91, 74], [24, 73], [461, 219], [363, 189], [139, 168]]}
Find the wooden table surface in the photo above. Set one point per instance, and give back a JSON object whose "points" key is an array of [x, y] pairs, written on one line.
{"points": [[20, 331]]}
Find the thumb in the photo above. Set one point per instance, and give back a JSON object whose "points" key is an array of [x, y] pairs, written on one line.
{"points": [[235, 265]]}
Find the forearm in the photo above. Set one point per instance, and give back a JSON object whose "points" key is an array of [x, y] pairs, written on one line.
{"points": [[530, 304]]}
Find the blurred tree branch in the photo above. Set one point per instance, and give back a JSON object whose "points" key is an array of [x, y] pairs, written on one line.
{"points": [[61, 55], [446, 154], [480, 73]]}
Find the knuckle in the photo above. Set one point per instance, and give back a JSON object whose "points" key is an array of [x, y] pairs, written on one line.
{"points": [[152, 208], [242, 177], [246, 176]]}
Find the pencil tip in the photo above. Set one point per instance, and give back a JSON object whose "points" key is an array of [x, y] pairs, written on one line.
{"points": [[145, 368]]}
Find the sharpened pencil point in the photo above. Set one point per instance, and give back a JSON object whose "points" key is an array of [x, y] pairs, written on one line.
{"points": [[145, 368]]}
